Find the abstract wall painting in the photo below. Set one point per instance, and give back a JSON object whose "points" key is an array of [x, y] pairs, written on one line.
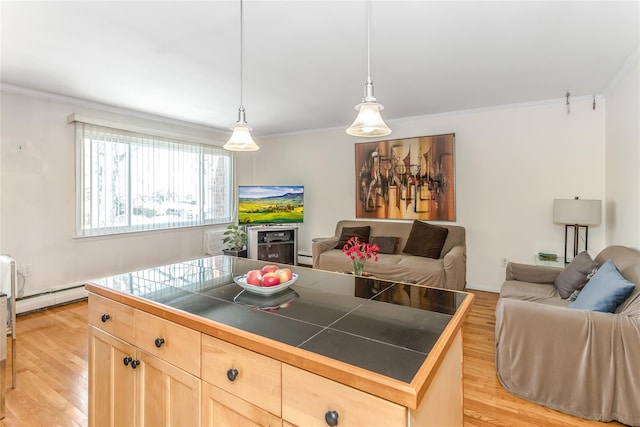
{"points": [[410, 178]]}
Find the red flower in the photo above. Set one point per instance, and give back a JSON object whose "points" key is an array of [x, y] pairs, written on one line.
{"points": [[355, 249]]}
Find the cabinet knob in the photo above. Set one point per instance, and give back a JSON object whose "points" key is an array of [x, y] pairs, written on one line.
{"points": [[159, 342], [135, 364], [331, 417], [105, 317], [232, 374], [127, 360]]}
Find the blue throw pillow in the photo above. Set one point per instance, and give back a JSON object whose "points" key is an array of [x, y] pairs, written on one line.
{"points": [[605, 291]]}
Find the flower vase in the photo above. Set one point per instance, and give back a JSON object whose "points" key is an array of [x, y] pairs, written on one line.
{"points": [[358, 266]]}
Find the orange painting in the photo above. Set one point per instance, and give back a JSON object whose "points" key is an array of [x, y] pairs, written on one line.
{"points": [[410, 178]]}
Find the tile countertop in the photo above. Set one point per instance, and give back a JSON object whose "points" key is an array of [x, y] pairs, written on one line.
{"points": [[381, 326]]}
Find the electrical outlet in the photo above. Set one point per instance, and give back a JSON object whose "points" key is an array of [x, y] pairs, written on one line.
{"points": [[27, 270], [504, 261]]}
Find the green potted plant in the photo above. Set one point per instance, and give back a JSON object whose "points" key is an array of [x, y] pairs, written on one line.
{"points": [[235, 237]]}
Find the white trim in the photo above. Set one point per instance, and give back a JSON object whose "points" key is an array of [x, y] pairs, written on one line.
{"points": [[527, 104], [74, 117], [113, 109], [50, 299], [631, 60]]}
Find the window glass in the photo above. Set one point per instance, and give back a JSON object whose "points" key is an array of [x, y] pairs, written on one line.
{"points": [[133, 182]]}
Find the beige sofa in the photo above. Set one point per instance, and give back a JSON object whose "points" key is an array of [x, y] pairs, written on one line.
{"points": [[581, 362], [449, 271]]}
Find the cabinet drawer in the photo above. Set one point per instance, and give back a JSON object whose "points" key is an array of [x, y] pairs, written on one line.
{"points": [[307, 397], [112, 317], [169, 341], [258, 378]]}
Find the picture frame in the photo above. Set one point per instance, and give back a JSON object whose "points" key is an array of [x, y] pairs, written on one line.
{"points": [[408, 178]]}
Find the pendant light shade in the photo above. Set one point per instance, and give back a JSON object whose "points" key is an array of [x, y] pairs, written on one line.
{"points": [[241, 137], [369, 122]]}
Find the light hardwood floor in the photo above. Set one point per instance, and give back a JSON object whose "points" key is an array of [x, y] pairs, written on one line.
{"points": [[52, 373]]}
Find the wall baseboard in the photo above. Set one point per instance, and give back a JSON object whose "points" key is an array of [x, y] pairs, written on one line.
{"points": [[49, 299], [304, 259]]}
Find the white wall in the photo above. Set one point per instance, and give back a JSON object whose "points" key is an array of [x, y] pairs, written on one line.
{"points": [[38, 197], [510, 165], [623, 157]]}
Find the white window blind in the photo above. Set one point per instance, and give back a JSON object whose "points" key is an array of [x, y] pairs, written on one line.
{"points": [[129, 182]]}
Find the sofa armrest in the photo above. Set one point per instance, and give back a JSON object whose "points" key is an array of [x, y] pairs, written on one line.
{"points": [[532, 273], [455, 268], [322, 245], [574, 361]]}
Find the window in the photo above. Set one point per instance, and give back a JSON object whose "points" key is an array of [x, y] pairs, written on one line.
{"points": [[133, 182]]}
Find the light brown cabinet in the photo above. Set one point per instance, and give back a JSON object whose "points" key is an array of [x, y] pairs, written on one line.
{"points": [[129, 386], [147, 370]]}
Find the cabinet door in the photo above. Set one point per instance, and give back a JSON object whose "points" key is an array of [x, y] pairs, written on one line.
{"points": [[168, 396], [220, 408], [111, 382]]}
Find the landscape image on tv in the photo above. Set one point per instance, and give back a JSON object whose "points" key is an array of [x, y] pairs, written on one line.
{"points": [[260, 204]]}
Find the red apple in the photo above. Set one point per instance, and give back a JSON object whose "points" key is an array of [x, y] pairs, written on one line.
{"points": [[269, 269], [285, 274], [270, 279], [254, 277]]}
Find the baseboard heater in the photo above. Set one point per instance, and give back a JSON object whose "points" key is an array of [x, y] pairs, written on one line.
{"points": [[50, 299]]}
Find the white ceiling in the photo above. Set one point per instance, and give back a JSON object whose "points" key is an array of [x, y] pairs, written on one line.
{"points": [[305, 61]]}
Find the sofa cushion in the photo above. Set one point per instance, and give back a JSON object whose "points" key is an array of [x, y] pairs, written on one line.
{"points": [[534, 292], [574, 276], [387, 244], [426, 240], [362, 233], [605, 291]]}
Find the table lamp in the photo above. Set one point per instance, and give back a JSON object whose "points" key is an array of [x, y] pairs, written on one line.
{"points": [[576, 213]]}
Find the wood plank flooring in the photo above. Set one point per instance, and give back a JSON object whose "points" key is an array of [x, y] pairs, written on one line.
{"points": [[52, 373]]}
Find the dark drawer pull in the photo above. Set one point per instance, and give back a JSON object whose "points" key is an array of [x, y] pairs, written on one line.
{"points": [[135, 364], [159, 342], [331, 417], [127, 360], [105, 317], [232, 374]]}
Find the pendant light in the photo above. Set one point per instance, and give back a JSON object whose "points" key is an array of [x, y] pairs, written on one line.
{"points": [[369, 122], [241, 137]]}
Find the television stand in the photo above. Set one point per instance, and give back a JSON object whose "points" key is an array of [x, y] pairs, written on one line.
{"points": [[273, 243]]}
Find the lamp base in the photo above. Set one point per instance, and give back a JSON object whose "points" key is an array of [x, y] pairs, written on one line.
{"points": [[576, 231]]}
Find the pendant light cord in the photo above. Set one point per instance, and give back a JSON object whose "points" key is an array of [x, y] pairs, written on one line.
{"points": [[241, 58], [369, 41]]}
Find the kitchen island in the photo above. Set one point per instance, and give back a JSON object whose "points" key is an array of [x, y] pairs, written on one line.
{"points": [[183, 344]]}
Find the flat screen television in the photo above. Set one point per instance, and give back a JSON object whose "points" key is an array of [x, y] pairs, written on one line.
{"points": [[267, 204]]}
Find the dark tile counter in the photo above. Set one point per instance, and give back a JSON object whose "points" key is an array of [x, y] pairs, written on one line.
{"points": [[379, 325]]}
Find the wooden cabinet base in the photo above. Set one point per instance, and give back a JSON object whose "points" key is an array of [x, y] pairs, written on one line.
{"points": [[230, 384]]}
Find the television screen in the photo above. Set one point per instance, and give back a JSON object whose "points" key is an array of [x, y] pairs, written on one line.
{"points": [[261, 204]]}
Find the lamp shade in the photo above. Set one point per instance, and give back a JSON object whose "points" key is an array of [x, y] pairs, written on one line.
{"points": [[241, 139], [577, 211], [369, 122]]}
